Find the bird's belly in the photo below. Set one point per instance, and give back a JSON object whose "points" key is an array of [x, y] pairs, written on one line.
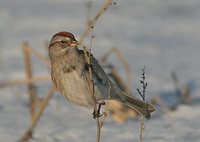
{"points": [[77, 90]]}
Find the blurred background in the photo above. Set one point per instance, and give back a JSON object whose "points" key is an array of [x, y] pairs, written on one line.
{"points": [[161, 35]]}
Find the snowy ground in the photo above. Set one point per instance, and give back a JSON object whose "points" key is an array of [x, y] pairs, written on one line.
{"points": [[162, 35]]}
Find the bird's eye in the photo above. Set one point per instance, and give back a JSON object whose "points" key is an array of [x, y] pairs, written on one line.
{"points": [[62, 41]]}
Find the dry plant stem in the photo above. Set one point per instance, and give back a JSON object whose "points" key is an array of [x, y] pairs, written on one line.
{"points": [[124, 64], [176, 82], [115, 75], [27, 51], [46, 45], [38, 115], [143, 95], [24, 81], [98, 128], [92, 90], [119, 114], [142, 129], [94, 20], [88, 14], [163, 105], [39, 55], [93, 96], [126, 67], [31, 86], [90, 26]]}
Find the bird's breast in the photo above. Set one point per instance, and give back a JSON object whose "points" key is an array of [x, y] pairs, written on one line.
{"points": [[76, 87]]}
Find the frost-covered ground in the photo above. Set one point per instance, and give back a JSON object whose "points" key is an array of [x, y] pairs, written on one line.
{"points": [[163, 35]]}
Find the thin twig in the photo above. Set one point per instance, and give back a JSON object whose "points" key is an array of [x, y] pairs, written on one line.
{"points": [[38, 115], [25, 81], [92, 90], [90, 25], [38, 55], [182, 91], [88, 14], [115, 75], [119, 111], [142, 127], [31, 86], [142, 94], [123, 63], [35, 115], [144, 85], [94, 20]]}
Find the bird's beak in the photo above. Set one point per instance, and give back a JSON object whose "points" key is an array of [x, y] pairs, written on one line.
{"points": [[74, 43]]}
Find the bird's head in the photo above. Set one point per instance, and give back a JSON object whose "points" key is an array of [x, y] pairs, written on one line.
{"points": [[62, 42]]}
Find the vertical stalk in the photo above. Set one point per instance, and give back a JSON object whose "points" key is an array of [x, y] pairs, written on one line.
{"points": [[31, 87]]}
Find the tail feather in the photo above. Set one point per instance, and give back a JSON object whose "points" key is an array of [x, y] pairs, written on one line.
{"points": [[138, 105]]}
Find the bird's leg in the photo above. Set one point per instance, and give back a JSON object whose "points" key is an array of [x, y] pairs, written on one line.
{"points": [[97, 113]]}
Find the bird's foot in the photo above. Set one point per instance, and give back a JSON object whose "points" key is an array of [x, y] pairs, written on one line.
{"points": [[97, 113]]}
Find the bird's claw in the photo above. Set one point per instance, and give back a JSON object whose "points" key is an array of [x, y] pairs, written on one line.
{"points": [[97, 113]]}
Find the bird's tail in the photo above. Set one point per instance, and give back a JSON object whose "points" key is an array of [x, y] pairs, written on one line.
{"points": [[138, 105]]}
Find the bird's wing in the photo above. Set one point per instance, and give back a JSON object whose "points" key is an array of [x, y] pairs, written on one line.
{"points": [[109, 90], [98, 71], [96, 68], [101, 80]]}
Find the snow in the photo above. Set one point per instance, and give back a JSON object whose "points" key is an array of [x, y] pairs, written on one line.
{"points": [[162, 35]]}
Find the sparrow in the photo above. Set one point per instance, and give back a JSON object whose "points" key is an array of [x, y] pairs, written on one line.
{"points": [[85, 83]]}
